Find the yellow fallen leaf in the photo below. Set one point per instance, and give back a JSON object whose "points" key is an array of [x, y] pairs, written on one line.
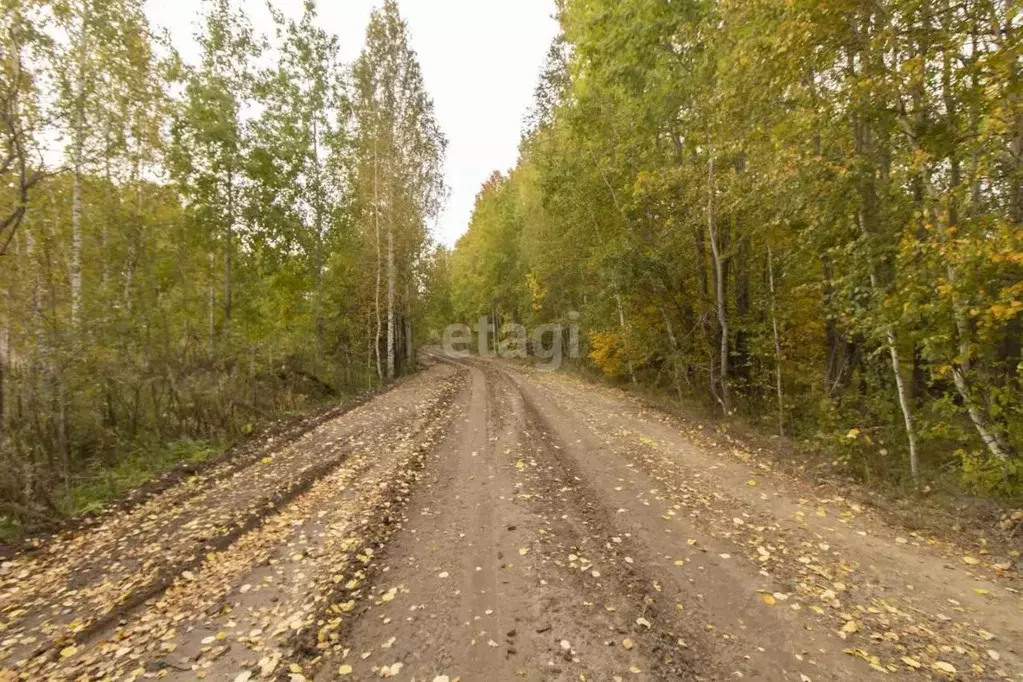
{"points": [[972, 561], [344, 670], [523, 551], [944, 667], [912, 662], [769, 599], [628, 644], [68, 652], [751, 483]]}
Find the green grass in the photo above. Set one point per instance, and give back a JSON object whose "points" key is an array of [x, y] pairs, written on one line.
{"points": [[133, 469], [9, 528]]}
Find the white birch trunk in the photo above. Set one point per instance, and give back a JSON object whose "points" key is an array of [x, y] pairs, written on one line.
{"points": [[391, 284], [719, 288], [777, 344], [78, 154]]}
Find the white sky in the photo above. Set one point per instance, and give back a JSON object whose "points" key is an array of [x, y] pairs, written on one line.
{"points": [[481, 60]]}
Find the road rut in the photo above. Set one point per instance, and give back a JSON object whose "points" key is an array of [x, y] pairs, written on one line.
{"points": [[487, 521]]}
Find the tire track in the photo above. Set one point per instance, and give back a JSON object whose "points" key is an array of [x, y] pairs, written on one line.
{"points": [[36, 637]]}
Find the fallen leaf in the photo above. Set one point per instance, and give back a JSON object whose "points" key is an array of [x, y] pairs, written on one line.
{"points": [[391, 670]]}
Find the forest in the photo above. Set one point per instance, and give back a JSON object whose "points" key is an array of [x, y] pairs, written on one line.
{"points": [[189, 251], [804, 214]]}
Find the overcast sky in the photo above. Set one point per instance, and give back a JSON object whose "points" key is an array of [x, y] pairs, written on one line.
{"points": [[480, 58]]}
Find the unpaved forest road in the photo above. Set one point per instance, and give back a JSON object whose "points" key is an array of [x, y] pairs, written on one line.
{"points": [[486, 522]]}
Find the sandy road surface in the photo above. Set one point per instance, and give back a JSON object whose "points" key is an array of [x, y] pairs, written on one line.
{"points": [[483, 521]]}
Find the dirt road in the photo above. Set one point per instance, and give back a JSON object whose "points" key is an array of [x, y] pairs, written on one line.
{"points": [[484, 521]]}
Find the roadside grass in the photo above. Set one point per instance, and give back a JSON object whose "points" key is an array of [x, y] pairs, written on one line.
{"points": [[10, 528], [138, 466], [112, 478], [101, 484]]}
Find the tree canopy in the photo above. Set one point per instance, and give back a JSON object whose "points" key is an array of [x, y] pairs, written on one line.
{"points": [[806, 213], [189, 250]]}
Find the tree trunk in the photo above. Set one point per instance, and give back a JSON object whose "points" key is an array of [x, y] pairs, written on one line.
{"points": [[229, 248], [1015, 111], [409, 342], [135, 235], [777, 343], [674, 351], [625, 330], [868, 201], [78, 160], [719, 289], [212, 307], [900, 384], [3, 369], [391, 286], [376, 223], [904, 402], [369, 351], [318, 245]]}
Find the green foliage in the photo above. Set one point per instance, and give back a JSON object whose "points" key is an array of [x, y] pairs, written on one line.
{"points": [[133, 468], [809, 213], [201, 261]]}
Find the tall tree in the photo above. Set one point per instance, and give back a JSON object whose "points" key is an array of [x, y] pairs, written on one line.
{"points": [[210, 139], [803, 208], [401, 151]]}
